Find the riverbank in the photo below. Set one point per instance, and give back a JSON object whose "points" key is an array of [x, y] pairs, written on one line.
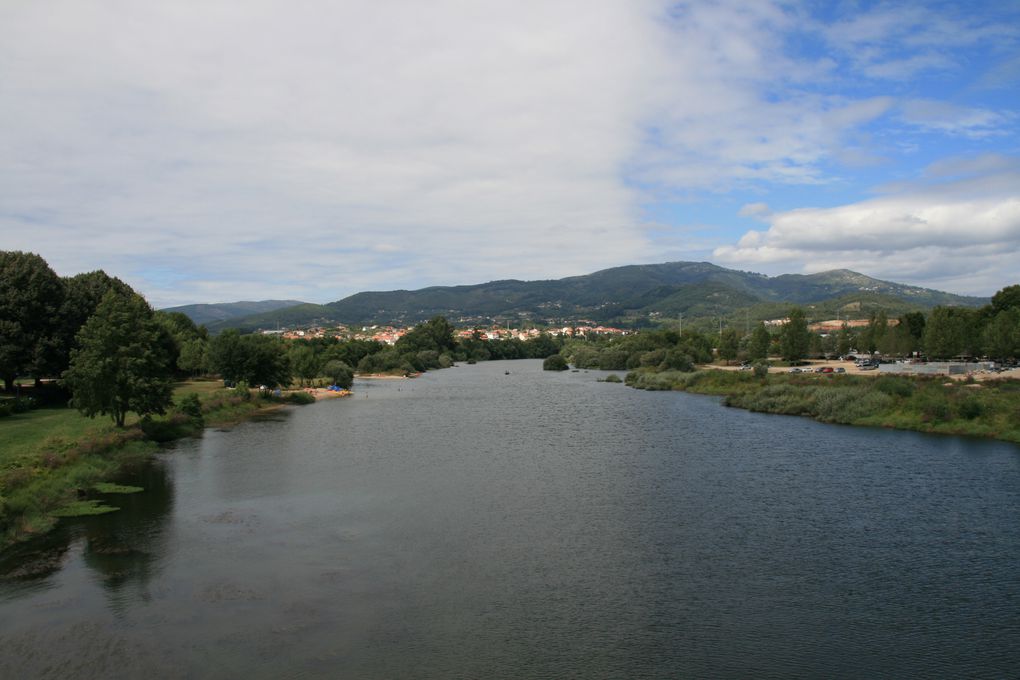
{"points": [[53, 459], [989, 409]]}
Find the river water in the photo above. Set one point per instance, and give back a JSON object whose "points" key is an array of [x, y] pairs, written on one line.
{"points": [[475, 524]]}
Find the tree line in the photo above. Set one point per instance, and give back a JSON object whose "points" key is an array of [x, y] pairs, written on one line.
{"points": [[115, 354], [992, 331]]}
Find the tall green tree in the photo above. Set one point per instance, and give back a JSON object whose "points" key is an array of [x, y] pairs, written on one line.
{"points": [[1002, 335], [120, 364], [255, 359], [795, 339], [944, 333], [729, 344], [194, 357], [303, 361], [1007, 298], [31, 295], [758, 348], [435, 334], [82, 295], [340, 373]]}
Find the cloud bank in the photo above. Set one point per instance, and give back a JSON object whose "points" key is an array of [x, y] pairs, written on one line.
{"points": [[212, 150], [958, 227]]}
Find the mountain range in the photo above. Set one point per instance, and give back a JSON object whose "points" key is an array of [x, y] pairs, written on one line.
{"points": [[633, 295]]}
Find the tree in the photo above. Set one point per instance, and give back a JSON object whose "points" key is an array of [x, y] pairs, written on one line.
{"points": [[31, 295], [943, 334], [194, 358], [1002, 335], [758, 349], [304, 362], [120, 364], [796, 338], [555, 363], [82, 295], [729, 344], [255, 359], [844, 341], [435, 334], [1007, 298], [340, 373], [873, 336]]}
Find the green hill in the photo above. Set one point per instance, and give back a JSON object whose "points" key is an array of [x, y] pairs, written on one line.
{"points": [[632, 295]]}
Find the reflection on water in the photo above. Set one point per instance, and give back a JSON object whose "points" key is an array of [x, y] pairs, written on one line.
{"points": [[120, 547], [477, 524]]}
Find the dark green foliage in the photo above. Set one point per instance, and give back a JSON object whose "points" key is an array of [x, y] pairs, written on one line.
{"points": [[945, 333], [120, 364], [31, 295], [555, 363], [894, 386], [1002, 335], [303, 361], [612, 378], [193, 358], [677, 360], [436, 334], [760, 341], [795, 338], [1007, 298], [339, 373], [729, 344], [254, 359], [299, 398]]}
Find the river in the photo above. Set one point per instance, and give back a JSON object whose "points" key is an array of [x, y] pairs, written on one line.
{"points": [[478, 524]]}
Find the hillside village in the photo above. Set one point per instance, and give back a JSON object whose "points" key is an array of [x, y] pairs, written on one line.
{"points": [[388, 335]]}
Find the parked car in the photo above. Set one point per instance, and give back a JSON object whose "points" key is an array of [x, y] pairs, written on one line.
{"points": [[796, 370], [840, 370], [827, 369]]}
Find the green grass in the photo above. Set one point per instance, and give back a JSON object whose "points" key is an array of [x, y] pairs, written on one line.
{"points": [[51, 460], [990, 409]]}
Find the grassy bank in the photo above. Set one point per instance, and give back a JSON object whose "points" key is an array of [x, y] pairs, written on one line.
{"points": [[52, 459], [925, 404]]}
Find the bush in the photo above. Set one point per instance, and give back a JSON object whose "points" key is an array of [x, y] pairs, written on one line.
{"points": [[894, 386], [300, 398], [554, 363], [761, 369], [971, 408], [612, 378], [191, 406]]}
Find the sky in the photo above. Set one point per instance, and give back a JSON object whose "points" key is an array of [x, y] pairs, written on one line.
{"points": [[221, 150]]}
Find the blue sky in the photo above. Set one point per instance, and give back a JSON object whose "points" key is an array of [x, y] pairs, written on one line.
{"points": [[218, 150]]}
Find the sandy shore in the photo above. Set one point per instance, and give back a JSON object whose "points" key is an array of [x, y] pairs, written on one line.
{"points": [[321, 393]]}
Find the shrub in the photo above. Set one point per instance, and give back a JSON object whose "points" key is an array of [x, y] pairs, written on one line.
{"points": [[612, 378], [971, 408], [894, 386], [299, 398], [555, 363]]}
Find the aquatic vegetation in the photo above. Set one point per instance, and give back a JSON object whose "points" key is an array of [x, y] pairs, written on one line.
{"points": [[109, 487], [84, 509]]}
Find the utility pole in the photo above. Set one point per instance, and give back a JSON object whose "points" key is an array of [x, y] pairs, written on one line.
{"points": [[681, 324]]}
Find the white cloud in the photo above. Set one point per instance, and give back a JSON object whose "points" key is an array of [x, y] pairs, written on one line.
{"points": [[959, 229], [951, 119], [215, 150]]}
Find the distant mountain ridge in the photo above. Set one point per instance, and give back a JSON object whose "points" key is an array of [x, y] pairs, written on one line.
{"points": [[631, 295], [223, 311]]}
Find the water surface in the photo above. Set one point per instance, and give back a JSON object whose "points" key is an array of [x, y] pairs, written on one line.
{"points": [[474, 524]]}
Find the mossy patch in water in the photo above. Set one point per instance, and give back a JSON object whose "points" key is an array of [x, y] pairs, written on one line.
{"points": [[84, 509], [109, 487]]}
